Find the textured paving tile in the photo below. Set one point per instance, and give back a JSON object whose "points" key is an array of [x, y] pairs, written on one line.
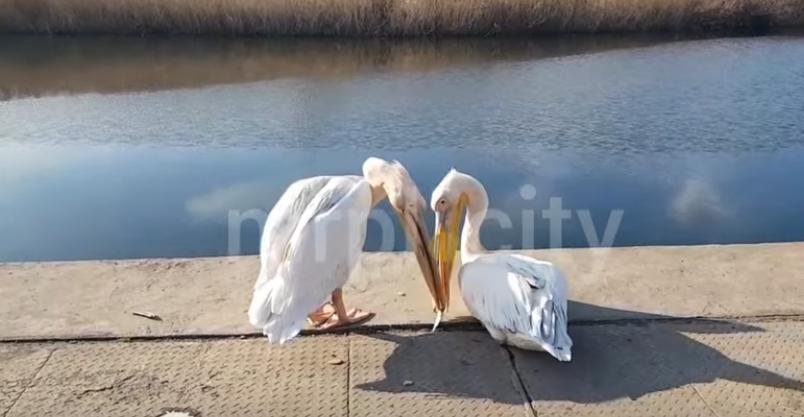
{"points": [[220, 378], [441, 374], [741, 369], [18, 366], [703, 369]]}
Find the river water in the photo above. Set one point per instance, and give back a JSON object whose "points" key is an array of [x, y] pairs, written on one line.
{"points": [[130, 148]]}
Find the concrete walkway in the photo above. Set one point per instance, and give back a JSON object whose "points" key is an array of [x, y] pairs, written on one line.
{"points": [[211, 295], [708, 331]]}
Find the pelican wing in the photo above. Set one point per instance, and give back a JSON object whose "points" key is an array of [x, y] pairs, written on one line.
{"points": [[284, 218], [519, 295], [321, 252]]}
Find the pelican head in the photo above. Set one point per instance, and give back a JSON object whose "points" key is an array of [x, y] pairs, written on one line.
{"points": [[391, 180], [448, 201]]}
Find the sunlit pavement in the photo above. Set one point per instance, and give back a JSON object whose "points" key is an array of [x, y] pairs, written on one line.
{"points": [[629, 367], [657, 331]]}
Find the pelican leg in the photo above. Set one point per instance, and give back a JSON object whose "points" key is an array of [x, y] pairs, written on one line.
{"points": [[322, 315], [343, 318]]}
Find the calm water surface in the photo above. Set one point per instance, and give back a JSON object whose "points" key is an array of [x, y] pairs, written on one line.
{"points": [[143, 148]]}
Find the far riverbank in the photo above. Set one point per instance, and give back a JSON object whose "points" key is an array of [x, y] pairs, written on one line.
{"points": [[392, 18]]}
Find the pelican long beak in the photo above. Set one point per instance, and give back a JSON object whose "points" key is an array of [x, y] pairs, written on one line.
{"points": [[446, 243], [416, 230]]}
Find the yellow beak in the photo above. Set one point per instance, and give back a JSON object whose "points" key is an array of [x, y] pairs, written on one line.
{"points": [[446, 244], [417, 234]]}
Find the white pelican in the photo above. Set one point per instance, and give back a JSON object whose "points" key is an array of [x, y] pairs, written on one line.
{"points": [[313, 239], [521, 301]]}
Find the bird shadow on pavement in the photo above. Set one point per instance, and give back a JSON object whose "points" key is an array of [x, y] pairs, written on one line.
{"points": [[611, 360]]}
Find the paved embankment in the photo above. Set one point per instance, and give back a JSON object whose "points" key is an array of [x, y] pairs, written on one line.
{"points": [[634, 352], [211, 295]]}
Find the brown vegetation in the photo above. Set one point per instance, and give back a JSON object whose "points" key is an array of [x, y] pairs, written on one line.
{"points": [[40, 66], [391, 17]]}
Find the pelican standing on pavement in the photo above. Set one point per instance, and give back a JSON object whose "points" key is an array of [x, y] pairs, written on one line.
{"points": [[521, 301], [313, 239]]}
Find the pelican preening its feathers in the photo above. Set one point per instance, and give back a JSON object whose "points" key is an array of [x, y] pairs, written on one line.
{"points": [[520, 301]]}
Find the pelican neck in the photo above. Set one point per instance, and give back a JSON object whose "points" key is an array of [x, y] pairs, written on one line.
{"points": [[476, 209]]}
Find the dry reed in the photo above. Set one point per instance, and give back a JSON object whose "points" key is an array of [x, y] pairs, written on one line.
{"points": [[391, 17]]}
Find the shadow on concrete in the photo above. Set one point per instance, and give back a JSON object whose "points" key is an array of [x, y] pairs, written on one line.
{"points": [[611, 360], [466, 364]]}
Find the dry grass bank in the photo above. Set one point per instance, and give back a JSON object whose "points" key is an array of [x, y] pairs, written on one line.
{"points": [[391, 17]]}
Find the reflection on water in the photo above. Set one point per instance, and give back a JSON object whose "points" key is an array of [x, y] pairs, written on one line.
{"points": [[695, 142], [36, 66]]}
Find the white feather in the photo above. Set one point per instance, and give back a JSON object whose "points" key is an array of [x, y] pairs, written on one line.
{"points": [[282, 221], [520, 301], [320, 224]]}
